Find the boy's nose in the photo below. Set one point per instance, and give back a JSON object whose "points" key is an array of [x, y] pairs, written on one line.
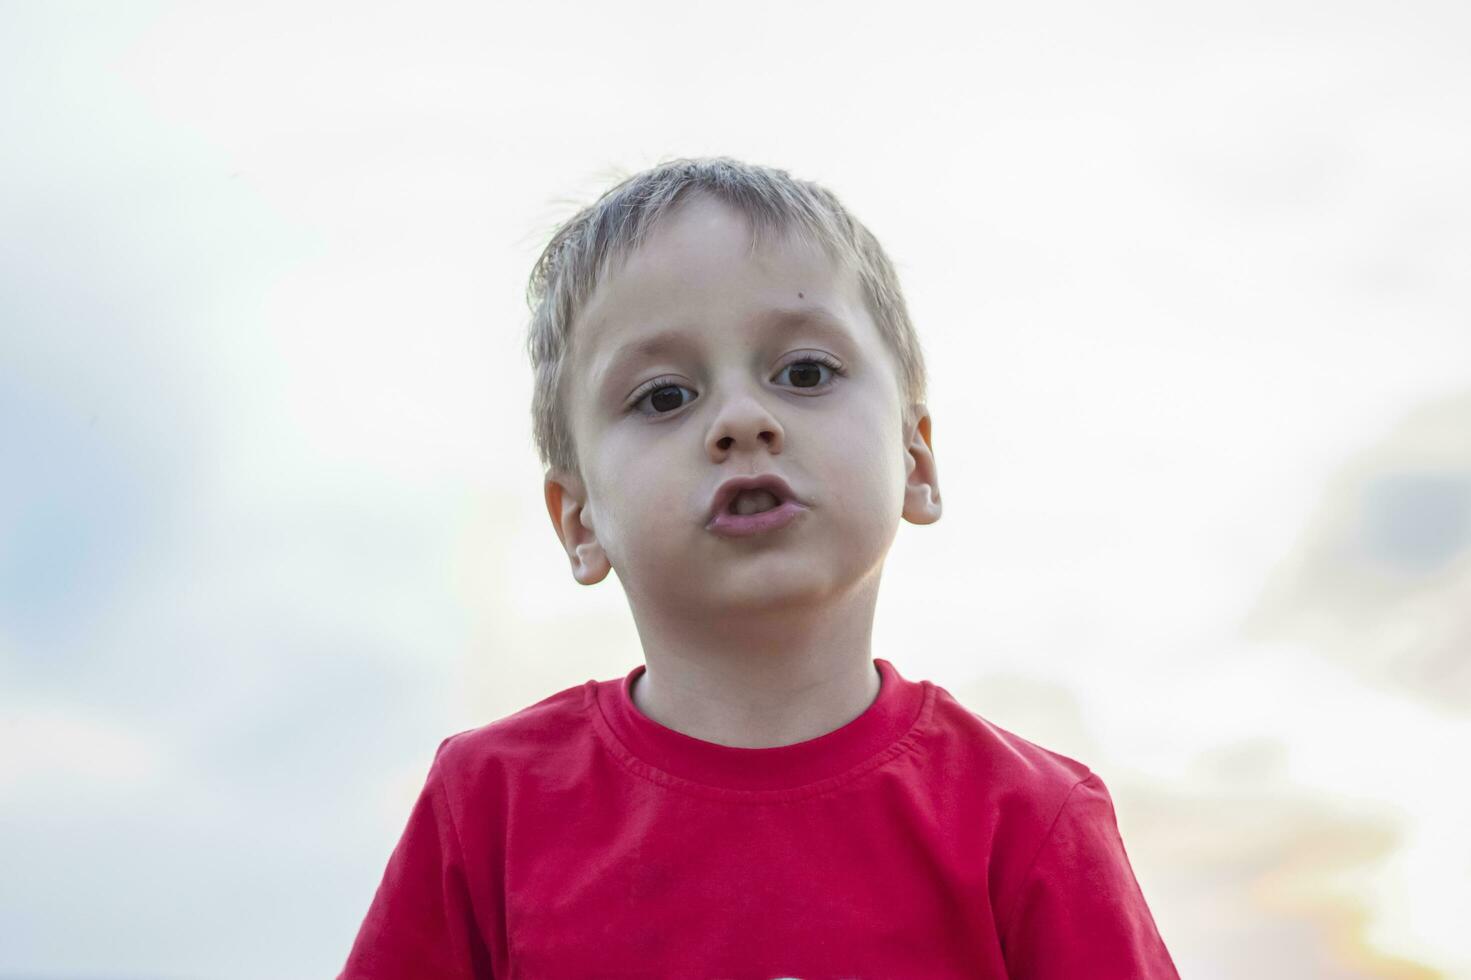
{"points": [[744, 423]]}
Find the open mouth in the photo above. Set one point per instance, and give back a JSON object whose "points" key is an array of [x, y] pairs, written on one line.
{"points": [[753, 502], [757, 511]]}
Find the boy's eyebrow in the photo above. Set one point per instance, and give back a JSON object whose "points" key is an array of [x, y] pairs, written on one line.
{"points": [[817, 319], [823, 320]]}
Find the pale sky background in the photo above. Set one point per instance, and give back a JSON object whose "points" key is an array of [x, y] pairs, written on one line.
{"points": [[1192, 282]]}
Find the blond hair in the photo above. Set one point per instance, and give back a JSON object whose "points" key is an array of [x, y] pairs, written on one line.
{"points": [[582, 248]]}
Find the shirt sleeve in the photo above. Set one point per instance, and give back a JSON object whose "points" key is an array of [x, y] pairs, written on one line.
{"points": [[1080, 912], [420, 923]]}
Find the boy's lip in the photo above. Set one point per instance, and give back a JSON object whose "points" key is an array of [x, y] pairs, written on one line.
{"points": [[765, 481]]}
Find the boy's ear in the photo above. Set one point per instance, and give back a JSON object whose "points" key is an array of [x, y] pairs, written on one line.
{"points": [[922, 480], [566, 498]]}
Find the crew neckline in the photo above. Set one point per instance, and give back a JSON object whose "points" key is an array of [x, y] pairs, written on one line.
{"points": [[885, 729]]}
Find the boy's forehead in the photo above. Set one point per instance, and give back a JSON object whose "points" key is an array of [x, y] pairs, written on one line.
{"points": [[702, 263]]}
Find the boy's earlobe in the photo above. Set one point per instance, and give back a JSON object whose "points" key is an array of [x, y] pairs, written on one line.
{"points": [[922, 479], [566, 500]]}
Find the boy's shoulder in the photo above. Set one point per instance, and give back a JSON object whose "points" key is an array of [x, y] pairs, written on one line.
{"points": [[521, 738], [1012, 768]]}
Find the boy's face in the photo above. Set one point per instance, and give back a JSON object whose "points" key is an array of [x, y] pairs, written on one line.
{"points": [[738, 394]]}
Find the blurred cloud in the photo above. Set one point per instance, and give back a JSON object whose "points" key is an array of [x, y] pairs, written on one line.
{"points": [[74, 749], [1381, 577], [1253, 877]]}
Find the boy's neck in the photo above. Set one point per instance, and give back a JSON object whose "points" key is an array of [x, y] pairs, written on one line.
{"points": [[759, 681]]}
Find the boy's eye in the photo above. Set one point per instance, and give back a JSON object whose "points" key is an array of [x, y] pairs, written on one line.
{"points": [[808, 373], [665, 398]]}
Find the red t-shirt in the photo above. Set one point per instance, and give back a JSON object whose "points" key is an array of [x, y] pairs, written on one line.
{"points": [[577, 838]]}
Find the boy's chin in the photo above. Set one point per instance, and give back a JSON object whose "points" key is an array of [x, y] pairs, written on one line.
{"points": [[755, 592]]}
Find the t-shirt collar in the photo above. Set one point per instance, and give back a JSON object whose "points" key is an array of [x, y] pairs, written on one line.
{"points": [[884, 723]]}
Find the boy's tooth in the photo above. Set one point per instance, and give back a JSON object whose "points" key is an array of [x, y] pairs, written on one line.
{"points": [[753, 501]]}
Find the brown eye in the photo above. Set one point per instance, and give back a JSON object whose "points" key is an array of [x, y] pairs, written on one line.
{"points": [[666, 399], [807, 373], [663, 399]]}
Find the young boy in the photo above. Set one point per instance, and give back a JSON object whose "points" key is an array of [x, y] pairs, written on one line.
{"points": [[730, 402]]}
